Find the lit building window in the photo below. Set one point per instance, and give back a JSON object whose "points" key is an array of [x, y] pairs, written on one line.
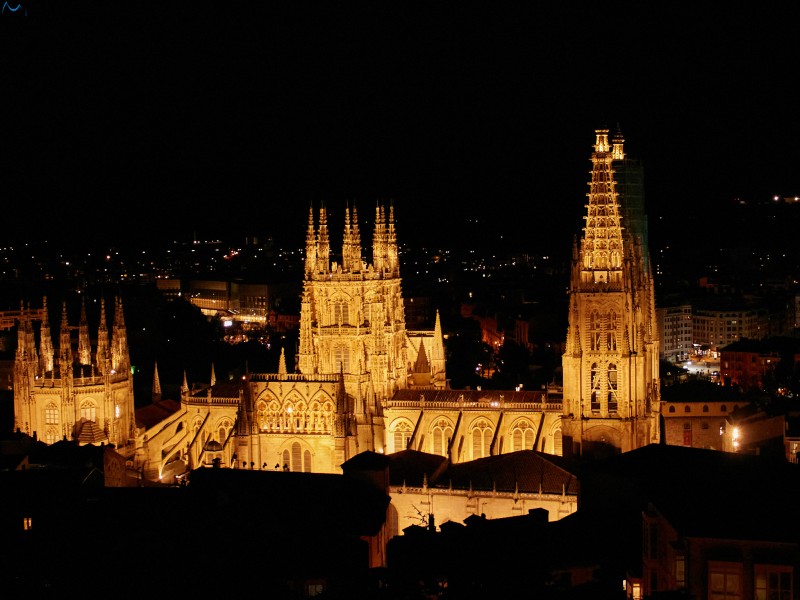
{"points": [[51, 435], [724, 580], [773, 582], [51, 414], [341, 313], [442, 433], [680, 571], [341, 358], [522, 436], [401, 436], [612, 387], [481, 440], [88, 410], [595, 380]]}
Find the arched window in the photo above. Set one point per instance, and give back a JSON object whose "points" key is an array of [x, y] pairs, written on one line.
{"points": [[442, 433], [401, 436], [88, 410], [51, 435], [558, 443], [286, 460], [481, 440], [341, 313], [672, 409], [595, 330], [723, 408], [687, 409], [296, 459], [595, 387], [522, 436], [51, 414], [224, 428], [612, 331], [705, 407], [341, 358], [612, 387]]}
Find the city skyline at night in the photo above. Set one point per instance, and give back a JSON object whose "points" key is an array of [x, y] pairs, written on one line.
{"points": [[126, 124]]}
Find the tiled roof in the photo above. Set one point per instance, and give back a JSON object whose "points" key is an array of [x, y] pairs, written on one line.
{"points": [[409, 467], [153, 414], [704, 493], [468, 396], [525, 471]]}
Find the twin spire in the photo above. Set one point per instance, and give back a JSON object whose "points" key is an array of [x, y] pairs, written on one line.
{"points": [[384, 244]]}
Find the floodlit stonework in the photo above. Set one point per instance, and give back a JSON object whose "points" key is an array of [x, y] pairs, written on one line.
{"points": [[611, 371], [363, 382], [86, 394]]}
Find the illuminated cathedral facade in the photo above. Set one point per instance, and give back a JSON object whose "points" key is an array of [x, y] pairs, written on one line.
{"points": [[75, 390], [360, 380], [611, 390]]}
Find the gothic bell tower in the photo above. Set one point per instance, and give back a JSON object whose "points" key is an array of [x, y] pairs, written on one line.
{"points": [[611, 399]]}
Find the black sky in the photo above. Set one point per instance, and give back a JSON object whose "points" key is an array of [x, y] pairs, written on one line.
{"points": [[224, 119]]}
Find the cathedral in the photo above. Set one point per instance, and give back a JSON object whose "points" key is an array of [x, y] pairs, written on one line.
{"points": [[79, 392], [611, 394], [362, 381]]}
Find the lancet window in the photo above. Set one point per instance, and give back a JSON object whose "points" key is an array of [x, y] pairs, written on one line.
{"points": [[595, 330], [612, 331], [401, 435], [442, 433], [341, 312], [341, 358], [88, 410], [612, 387], [522, 436], [595, 390], [481, 440]]}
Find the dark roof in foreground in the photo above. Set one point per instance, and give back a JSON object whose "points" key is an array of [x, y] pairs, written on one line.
{"points": [[704, 493], [525, 471]]}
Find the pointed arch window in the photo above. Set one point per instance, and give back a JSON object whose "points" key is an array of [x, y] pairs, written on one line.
{"points": [[51, 435], [442, 434], [595, 330], [595, 398], [88, 410], [400, 436], [522, 436], [341, 312], [341, 358], [612, 387], [481, 440], [224, 428], [612, 331], [297, 457], [51, 414]]}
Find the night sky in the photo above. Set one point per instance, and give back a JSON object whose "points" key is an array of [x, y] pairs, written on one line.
{"points": [[143, 121]]}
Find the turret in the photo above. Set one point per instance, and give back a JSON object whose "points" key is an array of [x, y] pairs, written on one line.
{"points": [[323, 243], [311, 245], [84, 347]]}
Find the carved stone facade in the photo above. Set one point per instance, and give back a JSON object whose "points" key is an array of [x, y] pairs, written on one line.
{"points": [[73, 390], [354, 355], [611, 390], [366, 383]]}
